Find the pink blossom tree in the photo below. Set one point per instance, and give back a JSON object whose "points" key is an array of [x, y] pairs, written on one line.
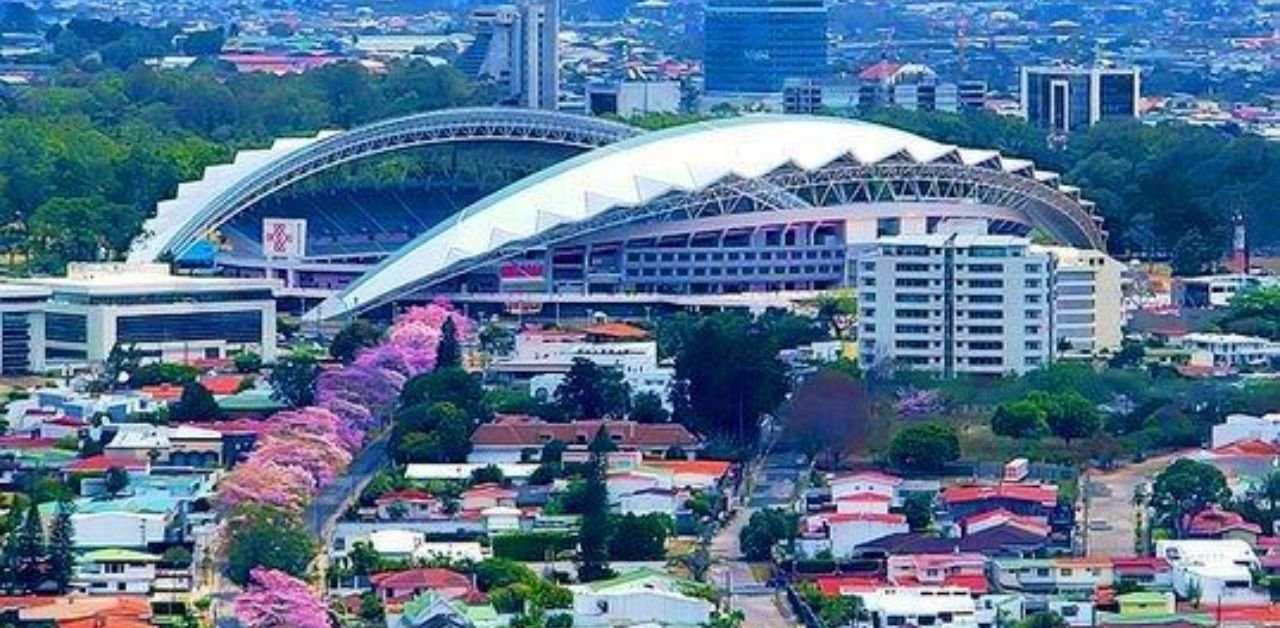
{"points": [[275, 599], [260, 481], [371, 387], [412, 341], [321, 422], [321, 457]]}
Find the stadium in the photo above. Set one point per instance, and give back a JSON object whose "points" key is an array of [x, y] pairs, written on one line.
{"points": [[717, 212]]}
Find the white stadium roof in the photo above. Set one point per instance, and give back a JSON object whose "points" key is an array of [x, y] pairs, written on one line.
{"points": [[641, 169]]}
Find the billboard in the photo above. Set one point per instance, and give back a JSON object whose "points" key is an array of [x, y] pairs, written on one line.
{"points": [[284, 238]]}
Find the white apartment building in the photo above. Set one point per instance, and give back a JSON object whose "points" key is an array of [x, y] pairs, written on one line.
{"points": [[956, 303], [174, 318], [22, 329], [1088, 304], [1229, 350]]}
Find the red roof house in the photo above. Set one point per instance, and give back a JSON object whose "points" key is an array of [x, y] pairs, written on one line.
{"points": [[398, 587]]}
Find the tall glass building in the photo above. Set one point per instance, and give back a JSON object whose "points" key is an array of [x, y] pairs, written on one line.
{"points": [[752, 46], [1065, 99]]}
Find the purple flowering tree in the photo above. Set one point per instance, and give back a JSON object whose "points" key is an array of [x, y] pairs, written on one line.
{"points": [[275, 599]]}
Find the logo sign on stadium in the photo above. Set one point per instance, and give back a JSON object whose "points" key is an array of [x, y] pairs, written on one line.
{"points": [[284, 238]]}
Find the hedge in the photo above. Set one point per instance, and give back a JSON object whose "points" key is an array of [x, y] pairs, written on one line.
{"points": [[533, 546]]}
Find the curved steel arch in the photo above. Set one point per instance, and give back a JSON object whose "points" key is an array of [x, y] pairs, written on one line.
{"points": [[325, 152], [837, 185]]}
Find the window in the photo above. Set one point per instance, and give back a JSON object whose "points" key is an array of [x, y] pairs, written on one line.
{"points": [[911, 282], [986, 298], [912, 298], [986, 314], [912, 344], [911, 313], [1032, 298], [1033, 314], [911, 329], [986, 283], [888, 227], [983, 330], [985, 268], [911, 268], [987, 346], [1032, 268]]}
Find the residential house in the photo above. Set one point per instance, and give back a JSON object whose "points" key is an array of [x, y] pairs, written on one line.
{"points": [[1219, 571], [644, 596], [519, 438], [1147, 572], [1003, 541], [181, 446], [1032, 500], [408, 505], [848, 532], [482, 496], [1146, 604], [394, 588], [940, 607], [516, 472], [1243, 427], [960, 570], [85, 611], [115, 571], [698, 475], [501, 519], [430, 610], [1072, 576], [662, 501], [628, 482], [864, 483], [1215, 523]]}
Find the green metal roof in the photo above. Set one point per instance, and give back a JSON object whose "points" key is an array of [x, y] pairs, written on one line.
{"points": [[118, 555]]}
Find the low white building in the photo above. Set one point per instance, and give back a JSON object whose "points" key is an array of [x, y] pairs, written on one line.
{"points": [[1229, 350], [866, 482], [115, 571], [1220, 571], [660, 501], [544, 357], [942, 607], [1244, 427], [641, 597], [169, 317]]}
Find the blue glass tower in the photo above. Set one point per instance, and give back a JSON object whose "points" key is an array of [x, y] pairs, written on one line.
{"points": [[752, 46]]}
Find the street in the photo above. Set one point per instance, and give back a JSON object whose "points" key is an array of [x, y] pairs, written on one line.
{"points": [[1109, 521]]}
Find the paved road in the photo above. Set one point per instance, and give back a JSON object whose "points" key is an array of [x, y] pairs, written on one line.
{"points": [[335, 498], [1110, 505], [771, 483]]}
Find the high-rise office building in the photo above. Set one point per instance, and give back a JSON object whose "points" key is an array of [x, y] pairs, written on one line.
{"points": [[1064, 99], [515, 48], [753, 46]]}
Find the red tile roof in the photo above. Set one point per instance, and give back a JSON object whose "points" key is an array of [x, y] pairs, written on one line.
{"points": [[494, 490], [866, 497], [1045, 495], [841, 585], [1214, 521], [976, 584], [406, 495], [100, 463], [163, 392], [866, 517], [880, 71], [222, 384], [1252, 447], [26, 442], [1001, 517], [520, 432], [446, 582], [1139, 565], [617, 331]]}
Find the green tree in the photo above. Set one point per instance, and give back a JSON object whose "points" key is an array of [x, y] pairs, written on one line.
{"points": [[1043, 619], [593, 532], [195, 404], [918, 509], [293, 380], [1072, 416], [765, 529], [353, 338], [431, 432], [448, 385], [448, 352], [115, 481], [260, 536], [371, 609], [62, 545], [1185, 488], [1019, 419], [590, 391], [646, 407], [924, 447], [30, 551], [839, 311], [247, 362], [488, 474], [639, 537], [497, 339]]}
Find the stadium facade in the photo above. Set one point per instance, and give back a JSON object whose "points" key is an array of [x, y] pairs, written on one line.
{"points": [[705, 213]]}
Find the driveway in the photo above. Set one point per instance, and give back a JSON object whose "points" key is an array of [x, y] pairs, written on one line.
{"points": [[1108, 525]]}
